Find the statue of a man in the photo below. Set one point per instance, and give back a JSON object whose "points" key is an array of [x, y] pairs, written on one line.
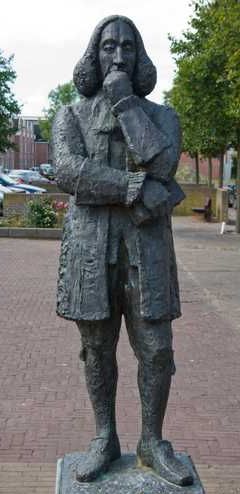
{"points": [[116, 154]]}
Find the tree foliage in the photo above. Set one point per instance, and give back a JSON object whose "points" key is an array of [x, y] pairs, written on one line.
{"points": [[225, 39], [206, 89], [63, 94], [9, 107]]}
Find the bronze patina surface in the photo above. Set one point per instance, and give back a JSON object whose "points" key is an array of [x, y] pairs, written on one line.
{"points": [[116, 154]]}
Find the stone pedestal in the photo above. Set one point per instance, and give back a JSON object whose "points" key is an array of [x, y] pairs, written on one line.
{"points": [[123, 477]]}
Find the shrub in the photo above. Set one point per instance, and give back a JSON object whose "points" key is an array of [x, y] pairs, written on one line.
{"points": [[41, 214]]}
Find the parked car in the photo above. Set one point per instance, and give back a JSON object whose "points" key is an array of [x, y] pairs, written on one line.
{"points": [[5, 190], [47, 170], [27, 176], [16, 187], [9, 187], [37, 177]]}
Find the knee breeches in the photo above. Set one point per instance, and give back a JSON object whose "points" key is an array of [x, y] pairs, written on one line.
{"points": [[151, 340]]}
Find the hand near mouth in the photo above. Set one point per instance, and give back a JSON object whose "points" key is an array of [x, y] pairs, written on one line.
{"points": [[117, 86]]}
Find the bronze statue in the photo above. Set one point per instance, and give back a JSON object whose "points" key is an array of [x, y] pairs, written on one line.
{"points": [[116, 154]]}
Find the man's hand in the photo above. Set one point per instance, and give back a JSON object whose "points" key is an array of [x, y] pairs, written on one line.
{"points": [[153, 204], [116, 86], [155, 197]]}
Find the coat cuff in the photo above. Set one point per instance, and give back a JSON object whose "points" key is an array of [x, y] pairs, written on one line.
{"points": [[134, 188]]}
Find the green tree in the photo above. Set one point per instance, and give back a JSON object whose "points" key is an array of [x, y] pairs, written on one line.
{"points": [[208, 68], [185, 101], [201, 89], [225, 38], [9, 107], [63, 94]]}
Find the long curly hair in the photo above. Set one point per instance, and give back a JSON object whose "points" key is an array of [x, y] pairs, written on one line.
{"points": [[87, 75]]}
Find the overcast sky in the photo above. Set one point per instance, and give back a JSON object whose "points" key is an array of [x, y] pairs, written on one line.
{"points": [[49, 36]]}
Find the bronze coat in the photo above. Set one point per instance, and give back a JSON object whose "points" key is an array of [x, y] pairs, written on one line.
{"points": [[81, 136]]}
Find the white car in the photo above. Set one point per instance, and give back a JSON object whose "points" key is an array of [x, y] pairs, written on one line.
{"points": [[5, 190], [16, 187], [27, 176]]}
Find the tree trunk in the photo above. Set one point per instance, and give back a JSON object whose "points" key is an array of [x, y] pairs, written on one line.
{"points": [[221, 166], [238, 190], [197, 168], [210, 171]]}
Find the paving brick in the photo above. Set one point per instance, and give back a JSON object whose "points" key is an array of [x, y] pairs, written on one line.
{"points": [[45, 411]]}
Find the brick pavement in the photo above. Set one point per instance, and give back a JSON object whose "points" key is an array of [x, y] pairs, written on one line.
{"points": [[45, 411], [27, 478]]}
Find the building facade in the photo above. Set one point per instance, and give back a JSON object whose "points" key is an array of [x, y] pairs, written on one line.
{"points": [[31, 150]]}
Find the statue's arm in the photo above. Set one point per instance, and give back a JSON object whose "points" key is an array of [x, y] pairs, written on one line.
{"points": [[154, 142], [155, 146], [91, 183]]}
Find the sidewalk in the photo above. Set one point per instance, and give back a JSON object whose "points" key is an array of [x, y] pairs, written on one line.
{"points": [[45, 411]]}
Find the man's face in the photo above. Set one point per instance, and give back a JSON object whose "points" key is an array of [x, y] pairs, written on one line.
{"points": [[117, 49]]}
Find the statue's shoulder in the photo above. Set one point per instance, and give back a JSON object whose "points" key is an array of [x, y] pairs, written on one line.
{"points": [[82, 106], [86, 109], [68, 116], [72, 109]]}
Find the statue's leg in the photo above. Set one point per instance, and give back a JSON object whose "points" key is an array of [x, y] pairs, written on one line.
{"points": [[152, 344], [99, 341]]}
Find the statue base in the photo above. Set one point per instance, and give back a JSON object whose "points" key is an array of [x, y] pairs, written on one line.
{"points": [[123, 477]]}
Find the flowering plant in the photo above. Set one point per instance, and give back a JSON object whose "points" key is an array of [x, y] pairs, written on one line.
{"points": [[60, 205], [40, 214]]}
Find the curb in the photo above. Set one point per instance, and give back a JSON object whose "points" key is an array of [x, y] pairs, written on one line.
{"points": [[37, 233], [58, 476]]}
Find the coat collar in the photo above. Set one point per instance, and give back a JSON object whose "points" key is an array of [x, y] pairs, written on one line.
{"points": [[103, 121]]}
